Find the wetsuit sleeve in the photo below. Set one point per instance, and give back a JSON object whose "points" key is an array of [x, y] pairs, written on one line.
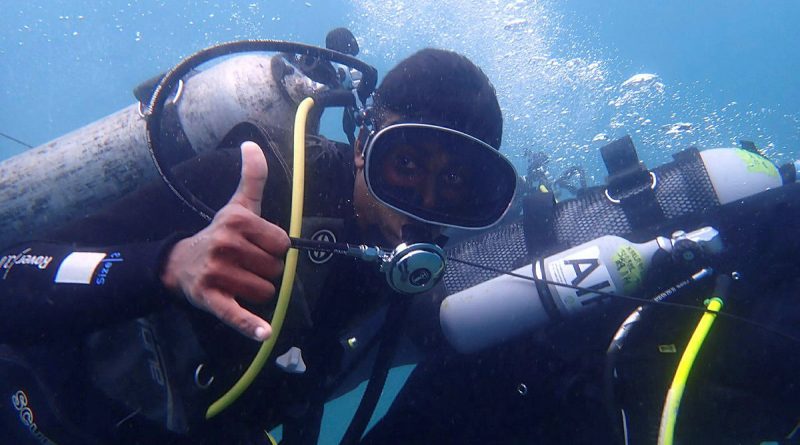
{"points": [[50, 290]]}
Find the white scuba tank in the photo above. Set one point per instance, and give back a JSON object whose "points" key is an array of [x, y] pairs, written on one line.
{"points": [[502, 308], [76, 174], [505, 307], [736, 173]]}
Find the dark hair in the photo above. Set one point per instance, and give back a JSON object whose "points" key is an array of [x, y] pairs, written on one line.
{"points": [[443, 88]]}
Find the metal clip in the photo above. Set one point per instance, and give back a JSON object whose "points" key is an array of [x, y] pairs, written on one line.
{"points": [[653, 184]]}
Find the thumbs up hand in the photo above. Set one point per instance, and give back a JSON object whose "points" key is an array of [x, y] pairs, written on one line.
{"points": [[238, 255]]}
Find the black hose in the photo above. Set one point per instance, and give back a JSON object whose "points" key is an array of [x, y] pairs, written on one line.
{"points": [[15, 140], [613, 410], [320, 246]]}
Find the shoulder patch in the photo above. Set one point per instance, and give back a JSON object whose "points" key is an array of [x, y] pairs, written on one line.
{"points": [[78, 267]]}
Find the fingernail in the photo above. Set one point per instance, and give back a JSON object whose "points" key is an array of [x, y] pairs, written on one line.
{"points": [[261, 333]]}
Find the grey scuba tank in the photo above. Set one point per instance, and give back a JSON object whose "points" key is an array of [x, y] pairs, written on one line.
{"points": [[76, 174]]}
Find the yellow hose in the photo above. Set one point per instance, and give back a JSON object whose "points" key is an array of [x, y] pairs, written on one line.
{"points": [[666, 432], [285, 294]]}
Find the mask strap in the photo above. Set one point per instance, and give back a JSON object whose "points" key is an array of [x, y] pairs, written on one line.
{"points": [[366, 119]]}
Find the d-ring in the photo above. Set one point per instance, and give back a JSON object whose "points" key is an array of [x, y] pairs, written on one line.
{"points": [[202, 385], [653, 184], [144, 113], [178, 92], [141, 110]]}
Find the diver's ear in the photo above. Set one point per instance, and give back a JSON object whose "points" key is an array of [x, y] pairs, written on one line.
{"points": [[358, 148]]}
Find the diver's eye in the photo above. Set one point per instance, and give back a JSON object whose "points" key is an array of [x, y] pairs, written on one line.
{"points": [[405, 164], [452, 178]]}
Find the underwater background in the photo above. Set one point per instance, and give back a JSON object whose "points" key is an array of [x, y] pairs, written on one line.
{"points": [[571, 75]]}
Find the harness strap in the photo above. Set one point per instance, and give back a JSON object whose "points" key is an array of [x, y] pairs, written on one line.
{"points": [[380, 370], [631, 185], [538, 224]]}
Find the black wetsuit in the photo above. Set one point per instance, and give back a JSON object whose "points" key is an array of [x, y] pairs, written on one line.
{"points": [[95, 350]]}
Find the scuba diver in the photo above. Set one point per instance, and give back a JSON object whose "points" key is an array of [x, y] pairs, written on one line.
{"points": [[532, 358], [135, 324], [537, 176]]}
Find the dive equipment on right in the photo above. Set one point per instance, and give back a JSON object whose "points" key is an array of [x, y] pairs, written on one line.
{"points": [[485, 309]]}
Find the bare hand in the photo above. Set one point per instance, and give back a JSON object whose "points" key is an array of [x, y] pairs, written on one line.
{"points": [[239, 255]]}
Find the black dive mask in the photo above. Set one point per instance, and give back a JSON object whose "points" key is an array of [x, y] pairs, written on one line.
{"points": [[438, 175]]}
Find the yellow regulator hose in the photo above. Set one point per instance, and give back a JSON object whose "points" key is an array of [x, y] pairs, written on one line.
{"points": [[285, 294], [666, 432]]}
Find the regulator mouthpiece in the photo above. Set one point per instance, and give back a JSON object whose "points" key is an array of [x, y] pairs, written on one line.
{"points": [[414, 268]]}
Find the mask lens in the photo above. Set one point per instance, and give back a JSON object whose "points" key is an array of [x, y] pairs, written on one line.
{"points": [[438, 175]]}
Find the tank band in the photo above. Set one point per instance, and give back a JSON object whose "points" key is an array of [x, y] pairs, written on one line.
{"points": [[545, 295]]}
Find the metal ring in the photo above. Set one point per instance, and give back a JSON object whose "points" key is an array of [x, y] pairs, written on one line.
{"points": [[141, 111], [653, 184], [178, 92], [522, 389], [197, 382]]}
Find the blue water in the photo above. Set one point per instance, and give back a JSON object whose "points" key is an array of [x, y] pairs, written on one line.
{"points": [[570, 74], [726, 68]]}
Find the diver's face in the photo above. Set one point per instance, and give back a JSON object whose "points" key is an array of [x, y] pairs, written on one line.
{"points": [[426, 174], [420, 169]]}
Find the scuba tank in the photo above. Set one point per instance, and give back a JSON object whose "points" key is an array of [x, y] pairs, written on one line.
{"points": [[738, 173], [507, 306], [76, 174]]}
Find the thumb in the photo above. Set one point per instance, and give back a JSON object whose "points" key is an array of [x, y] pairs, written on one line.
{"points": [[254, 176]]}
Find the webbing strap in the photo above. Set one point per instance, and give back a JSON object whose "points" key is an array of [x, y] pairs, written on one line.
{"points": [[631, 185]]}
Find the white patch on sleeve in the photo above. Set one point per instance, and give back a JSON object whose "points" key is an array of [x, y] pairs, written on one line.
{"points": [[78, 267]]}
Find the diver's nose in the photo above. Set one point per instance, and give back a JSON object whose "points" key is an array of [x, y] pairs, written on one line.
{"points": [[417, 233], [428, 193]]}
